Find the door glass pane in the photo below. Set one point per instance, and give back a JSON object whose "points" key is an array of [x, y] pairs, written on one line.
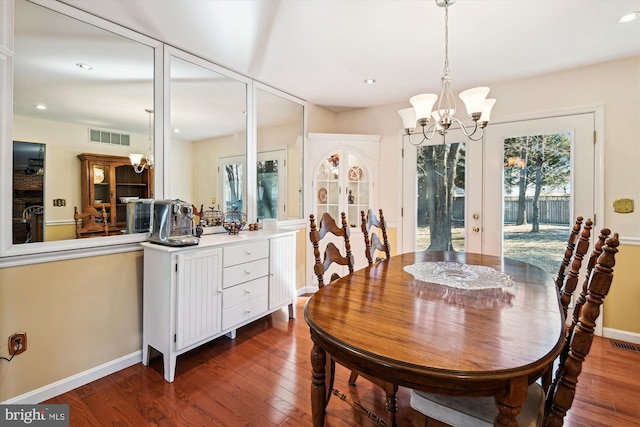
{"points": [[328, 178], [537, 198], [232, 177], [357, 184], [440, 197], [268, 189]]}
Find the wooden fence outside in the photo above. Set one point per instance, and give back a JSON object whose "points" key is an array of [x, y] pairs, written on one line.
{"points": [[553, 209]]}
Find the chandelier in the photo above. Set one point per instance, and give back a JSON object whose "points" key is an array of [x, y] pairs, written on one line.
{"points": [[136, 159], [441, 119]]}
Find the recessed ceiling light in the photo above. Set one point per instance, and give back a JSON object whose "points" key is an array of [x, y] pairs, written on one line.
{"points": [[629, 17], [370, 81], [84, 66], [40, 106]]}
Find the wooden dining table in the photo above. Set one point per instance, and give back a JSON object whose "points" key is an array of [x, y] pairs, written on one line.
{"points": [[452, 323]]}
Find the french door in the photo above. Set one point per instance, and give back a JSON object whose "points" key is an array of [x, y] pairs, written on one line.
{"points": [[231, 172], [546, 167], [272, 181], [515, 194]]}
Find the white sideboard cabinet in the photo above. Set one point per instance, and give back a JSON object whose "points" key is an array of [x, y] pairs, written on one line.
{"points": [[194, 294]]}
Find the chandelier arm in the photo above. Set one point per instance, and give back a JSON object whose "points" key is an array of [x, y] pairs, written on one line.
{"points": [[480, 135], [138, 168], [428, 132], [467, 130], [429, 129]]}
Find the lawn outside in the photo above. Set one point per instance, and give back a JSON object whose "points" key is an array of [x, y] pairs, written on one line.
{"points": [[544, 249]]}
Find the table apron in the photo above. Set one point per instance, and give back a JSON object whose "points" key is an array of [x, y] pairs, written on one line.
{"points": [[432, 381]]}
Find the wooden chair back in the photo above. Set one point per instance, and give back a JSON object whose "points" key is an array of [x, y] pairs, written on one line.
{"points": [[331, 253], [562, 391], [371, 240], [568, 253], [90, 222], [571, 280]]}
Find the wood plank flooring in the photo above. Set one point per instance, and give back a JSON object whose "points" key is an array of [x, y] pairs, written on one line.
{"points": [[263, 377]]}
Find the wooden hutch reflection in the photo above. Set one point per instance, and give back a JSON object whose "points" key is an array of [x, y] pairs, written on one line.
{"points": [[105, 179]]}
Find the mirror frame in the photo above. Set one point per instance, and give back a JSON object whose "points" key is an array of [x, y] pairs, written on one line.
{"points": [[39, 252]]}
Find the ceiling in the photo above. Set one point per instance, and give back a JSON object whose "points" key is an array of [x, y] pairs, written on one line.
{"points": [[323, 50]]}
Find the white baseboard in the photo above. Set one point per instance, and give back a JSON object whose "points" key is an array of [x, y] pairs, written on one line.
{"points": [[59, 387], [617, 334], [307, 290]]}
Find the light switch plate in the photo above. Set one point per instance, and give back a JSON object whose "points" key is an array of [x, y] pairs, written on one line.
{"points": [[623, 205]]}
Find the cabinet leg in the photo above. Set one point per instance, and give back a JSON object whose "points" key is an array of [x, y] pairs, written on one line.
{"points": [[145, 354], [292, 310], [231, 334], [169, 366]]}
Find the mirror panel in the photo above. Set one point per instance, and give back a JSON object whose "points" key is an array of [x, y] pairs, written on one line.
{"points": [[280, 131], [208, 135], [110, 98]]}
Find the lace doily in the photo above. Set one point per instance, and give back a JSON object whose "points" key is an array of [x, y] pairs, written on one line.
{"points": [[461, 276]]}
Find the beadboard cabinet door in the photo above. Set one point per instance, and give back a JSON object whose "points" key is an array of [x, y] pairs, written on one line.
{"points": [[198, 296]]}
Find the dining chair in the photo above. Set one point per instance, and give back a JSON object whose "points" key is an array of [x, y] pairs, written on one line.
{"points": [[595, 254], [372, 242], [90, 222], [538, 409], [333, 255], [567, 277], [331, 252]]}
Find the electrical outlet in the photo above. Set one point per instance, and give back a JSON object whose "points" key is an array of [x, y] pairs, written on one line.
{"points": [[17, 343]]}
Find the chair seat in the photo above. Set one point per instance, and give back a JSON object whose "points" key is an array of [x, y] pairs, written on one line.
{"points": [[462, 411]]}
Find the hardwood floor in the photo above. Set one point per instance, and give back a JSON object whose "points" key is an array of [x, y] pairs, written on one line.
{"points": [[263, 377]]}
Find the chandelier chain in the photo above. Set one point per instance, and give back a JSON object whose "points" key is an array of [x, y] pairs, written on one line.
{"points": [[446, 39]]}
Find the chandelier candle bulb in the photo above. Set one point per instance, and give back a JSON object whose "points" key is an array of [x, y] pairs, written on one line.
{"points": [[474, 101], [408, 119], [423, 104], [486, 112], [135, 158]]}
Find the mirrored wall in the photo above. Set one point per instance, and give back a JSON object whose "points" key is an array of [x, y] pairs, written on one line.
{"points": [[280, 136], [77, 89], [208, 135], [84, 87]]}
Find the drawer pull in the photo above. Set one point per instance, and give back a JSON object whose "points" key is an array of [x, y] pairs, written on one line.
{"points": [[247, 291], [247, 271], [248, 251], [248, 310]]}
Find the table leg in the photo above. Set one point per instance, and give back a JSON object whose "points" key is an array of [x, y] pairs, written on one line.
{"points": [[318, 385], [510, 404], [392, 407]]}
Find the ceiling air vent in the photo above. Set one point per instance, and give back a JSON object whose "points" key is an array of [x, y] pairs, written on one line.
{"points": [[109, 137]]}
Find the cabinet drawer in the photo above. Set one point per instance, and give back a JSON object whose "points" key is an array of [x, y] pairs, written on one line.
{"points": [[241, 273], [245, 252], [244, 311], [244, 292]]}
